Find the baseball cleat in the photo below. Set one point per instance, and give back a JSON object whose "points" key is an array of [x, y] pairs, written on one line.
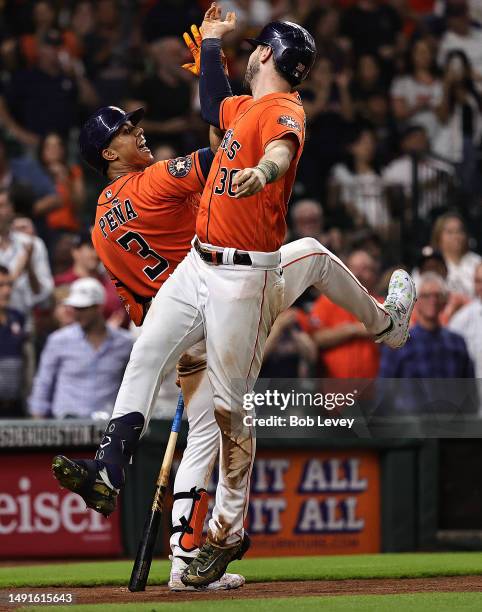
{"points": [[225, 583], [399, 304], [89, 479], [211, 562]]}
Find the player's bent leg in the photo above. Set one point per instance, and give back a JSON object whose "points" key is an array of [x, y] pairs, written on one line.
{"points": [[190, 497], [172, 325], [306, 262]]}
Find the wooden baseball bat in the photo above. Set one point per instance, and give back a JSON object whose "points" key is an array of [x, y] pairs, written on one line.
{"points": [[142, 564]]}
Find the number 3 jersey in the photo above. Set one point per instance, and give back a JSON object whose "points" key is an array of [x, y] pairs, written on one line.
{"points": [[144, 224], [257, 222]]}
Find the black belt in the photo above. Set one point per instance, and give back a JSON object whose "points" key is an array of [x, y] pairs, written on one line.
{"points": [[216, 257]]}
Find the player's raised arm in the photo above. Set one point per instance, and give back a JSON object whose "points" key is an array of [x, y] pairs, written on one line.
{"points": [[214, 86], [272, 166]]}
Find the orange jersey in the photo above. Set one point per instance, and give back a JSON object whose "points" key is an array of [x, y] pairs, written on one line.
{"points": [[254, 223], [144, 224]]}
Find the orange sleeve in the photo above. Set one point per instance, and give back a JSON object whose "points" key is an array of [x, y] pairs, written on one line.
{"points": [[278, 121], [176, 178], [230, 108]]}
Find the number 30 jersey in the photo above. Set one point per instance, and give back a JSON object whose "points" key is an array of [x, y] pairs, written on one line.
{"points": [[144, 224], [257, 222]]}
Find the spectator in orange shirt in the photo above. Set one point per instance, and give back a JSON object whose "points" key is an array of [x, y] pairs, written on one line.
{"points": [[69, 183], [45, 18], [347, 350]]}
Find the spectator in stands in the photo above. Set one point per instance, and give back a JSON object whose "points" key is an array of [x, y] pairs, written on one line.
{"points": [[357, 184], [449, 236], [30, 187], [377, 113], [468, 323], [432, 351], [107, 51], [12, 338], [86, 263], [166, 94], [307, 218], [82, 364], [289, 351], [82, 22], [366, 82], [69, 182], [328, 106], [27, 261], [46, 97], [416, 95], [45, 19], [371, 27], [461, 36], [435, 176], [24, 225], [346, 348], [12, 129], [433, 261], [324, 23], [61, 253], [459, 113]]}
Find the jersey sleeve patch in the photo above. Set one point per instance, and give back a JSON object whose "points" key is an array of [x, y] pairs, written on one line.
{"points": [[289, 122], [179, 167]]}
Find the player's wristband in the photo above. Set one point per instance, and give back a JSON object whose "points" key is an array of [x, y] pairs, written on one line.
{"points": [[270, 169]]}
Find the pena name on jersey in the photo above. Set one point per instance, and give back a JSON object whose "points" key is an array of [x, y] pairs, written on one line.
{"points": [[144, 224]]}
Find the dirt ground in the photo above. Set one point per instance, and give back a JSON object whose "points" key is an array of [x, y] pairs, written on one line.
{"points": [[161, 594]]}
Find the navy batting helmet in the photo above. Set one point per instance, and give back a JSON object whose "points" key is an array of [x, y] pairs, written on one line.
{"points": [[98, 131], [294, 50]]}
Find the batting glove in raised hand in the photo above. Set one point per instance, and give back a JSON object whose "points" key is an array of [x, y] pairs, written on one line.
{"points": [[194, 47]]}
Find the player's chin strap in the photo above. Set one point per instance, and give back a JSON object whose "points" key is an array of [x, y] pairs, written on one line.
{"points": [[191, 528]]}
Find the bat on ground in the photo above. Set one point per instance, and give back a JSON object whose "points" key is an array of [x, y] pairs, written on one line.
{"points": [[142, 565]]}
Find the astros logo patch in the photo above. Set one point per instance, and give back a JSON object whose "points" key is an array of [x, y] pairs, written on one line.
{"points": [[289, 122], [180, 166]]}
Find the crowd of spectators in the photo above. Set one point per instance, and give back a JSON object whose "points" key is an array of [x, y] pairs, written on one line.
{"points": [[390, 176]]}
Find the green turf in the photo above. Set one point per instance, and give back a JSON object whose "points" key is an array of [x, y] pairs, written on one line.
{"points": [[404, 565], [417, 602]]}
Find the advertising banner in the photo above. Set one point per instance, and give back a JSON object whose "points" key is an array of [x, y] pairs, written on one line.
{"points": [[39, 519]]}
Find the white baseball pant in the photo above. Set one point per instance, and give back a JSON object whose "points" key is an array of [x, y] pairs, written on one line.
{"points": [[233, 307]]}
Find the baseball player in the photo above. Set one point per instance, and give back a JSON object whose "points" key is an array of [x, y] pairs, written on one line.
{"points": [[145, 221], [233, 293]]}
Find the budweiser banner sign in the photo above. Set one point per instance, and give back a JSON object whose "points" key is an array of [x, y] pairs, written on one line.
{"points": [[39, 519]]}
